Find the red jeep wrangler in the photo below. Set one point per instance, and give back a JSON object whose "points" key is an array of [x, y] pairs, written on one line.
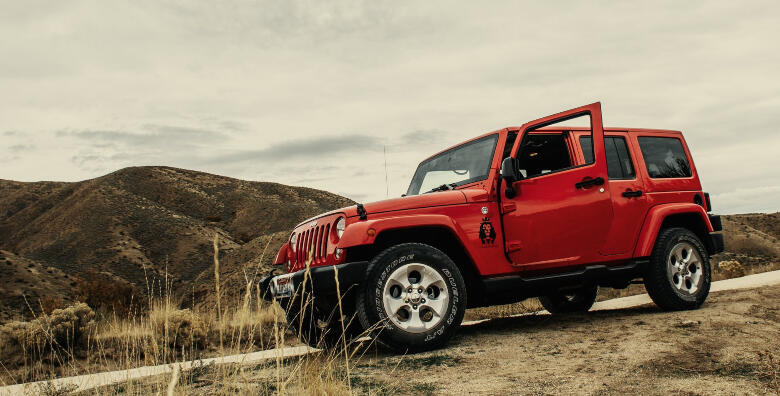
{"points": [[537, 211]]}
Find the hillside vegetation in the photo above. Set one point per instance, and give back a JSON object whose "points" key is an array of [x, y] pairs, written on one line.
{"points": [[148, 227]]}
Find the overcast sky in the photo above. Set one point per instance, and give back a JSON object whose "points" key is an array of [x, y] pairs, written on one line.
{"points": [[310, 92]]}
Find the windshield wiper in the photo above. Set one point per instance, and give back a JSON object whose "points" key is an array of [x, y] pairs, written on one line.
{"points": [[443, 187]]}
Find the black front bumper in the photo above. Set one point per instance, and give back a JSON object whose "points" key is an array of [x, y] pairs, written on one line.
{"points": [[320, 280]]}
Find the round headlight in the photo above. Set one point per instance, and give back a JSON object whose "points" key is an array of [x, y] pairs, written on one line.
{"points": [[293, 239], [341, 225]]}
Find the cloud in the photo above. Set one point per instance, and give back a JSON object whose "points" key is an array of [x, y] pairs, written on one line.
{"points": [[150, 135], [21, 147], [424, 136], [307, 148], [747, 200]]}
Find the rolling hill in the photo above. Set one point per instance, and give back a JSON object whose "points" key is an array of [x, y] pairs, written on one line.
{"points": [[140, 224]]}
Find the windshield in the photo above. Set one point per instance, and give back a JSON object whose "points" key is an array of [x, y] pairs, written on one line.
{"points": [[464, 164]]}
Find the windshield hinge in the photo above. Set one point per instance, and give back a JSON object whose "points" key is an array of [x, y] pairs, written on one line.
{"points": [[362, 212]]}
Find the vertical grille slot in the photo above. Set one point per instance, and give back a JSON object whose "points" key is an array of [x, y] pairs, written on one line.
{"points": [[298, 242], [300, 246], [325, 234], [307, 246], [315, 243]]}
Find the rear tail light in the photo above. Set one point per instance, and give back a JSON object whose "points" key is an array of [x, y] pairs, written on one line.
{"points": [[707, 202]]}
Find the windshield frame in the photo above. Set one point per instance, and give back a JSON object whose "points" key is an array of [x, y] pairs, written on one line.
{"points": [[494, 136]]}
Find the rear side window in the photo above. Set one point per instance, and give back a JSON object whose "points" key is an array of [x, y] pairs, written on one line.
{"points": [[664, 157], [619, 165]]}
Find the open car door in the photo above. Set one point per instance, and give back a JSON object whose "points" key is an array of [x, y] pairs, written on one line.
{"points": [[562, 209]]}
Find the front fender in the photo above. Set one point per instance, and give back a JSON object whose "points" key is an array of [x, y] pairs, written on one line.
{"points": [[655, 217], [281, 256], [358, 233]]}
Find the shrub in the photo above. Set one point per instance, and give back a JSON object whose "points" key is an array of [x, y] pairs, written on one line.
{"points": [[49, 304], [179, 327], [731, 269], [63, 329], [105, 293]]}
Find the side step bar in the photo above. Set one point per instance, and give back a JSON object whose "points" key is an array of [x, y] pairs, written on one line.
{"points": [[512, 288]]}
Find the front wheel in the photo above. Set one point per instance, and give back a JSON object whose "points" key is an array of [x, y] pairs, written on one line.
{"points": [[413, 299], [678, 276]]}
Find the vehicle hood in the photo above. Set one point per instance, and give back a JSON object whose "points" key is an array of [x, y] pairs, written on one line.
{"points": [[441, 198]]}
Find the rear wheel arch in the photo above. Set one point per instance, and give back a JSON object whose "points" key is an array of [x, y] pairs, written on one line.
{"points": [[688, 216], [440, 237], [690, 221]]}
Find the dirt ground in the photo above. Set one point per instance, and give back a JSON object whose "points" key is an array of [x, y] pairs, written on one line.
{"points": [[731, 346], [718, 349]]}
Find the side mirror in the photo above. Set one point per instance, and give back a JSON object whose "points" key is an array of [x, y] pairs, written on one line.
{"points": [[509, 175]]}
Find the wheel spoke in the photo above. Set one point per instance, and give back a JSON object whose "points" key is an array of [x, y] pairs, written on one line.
{"points": [[438, 283], [679, 283], [392, 305], [678, 256], [427, 273], [415, 324], [393, 281], [437, 306]]}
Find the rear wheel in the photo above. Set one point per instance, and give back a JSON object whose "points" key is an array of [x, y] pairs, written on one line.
{"points": [[413, 299], [579, 300], [679, 273]]}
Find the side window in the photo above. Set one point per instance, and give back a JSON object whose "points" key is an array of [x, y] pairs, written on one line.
{"points": [[619, 165], [664, 157], [540, 154], [624, 156]]}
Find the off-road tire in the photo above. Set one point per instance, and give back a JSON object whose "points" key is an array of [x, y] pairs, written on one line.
{"points": [[321, 328], [580, 300], [657, 276], [371, 310]]}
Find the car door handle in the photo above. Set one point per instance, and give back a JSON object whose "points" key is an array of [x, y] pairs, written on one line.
{"points": [[632, 194], [585, 183]]}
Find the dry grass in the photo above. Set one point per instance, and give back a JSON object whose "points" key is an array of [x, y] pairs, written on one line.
{"points": [[73, 343]]}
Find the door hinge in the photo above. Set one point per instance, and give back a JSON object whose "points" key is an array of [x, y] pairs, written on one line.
{"points": [[513, 246], [508, 207]]}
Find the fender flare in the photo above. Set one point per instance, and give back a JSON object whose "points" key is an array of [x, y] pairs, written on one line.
{"points": [[356, 234], [656, 216], [281, 255]]}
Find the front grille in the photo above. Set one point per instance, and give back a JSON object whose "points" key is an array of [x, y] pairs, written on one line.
{"points": [[314, 241]]}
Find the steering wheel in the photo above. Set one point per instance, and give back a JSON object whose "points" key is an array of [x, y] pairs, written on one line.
{"points": [[459, 173]]}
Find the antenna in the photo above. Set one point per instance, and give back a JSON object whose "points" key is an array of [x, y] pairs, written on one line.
{"points": [[387, 182]]}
